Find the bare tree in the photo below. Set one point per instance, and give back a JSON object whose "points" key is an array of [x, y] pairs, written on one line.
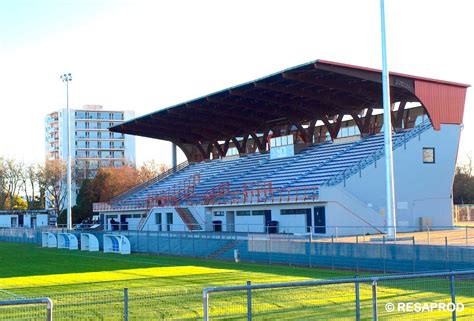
{"points": [[150, 169], [31, 183], [463, 185], [3, 182], [12, 177], [52, 179]]}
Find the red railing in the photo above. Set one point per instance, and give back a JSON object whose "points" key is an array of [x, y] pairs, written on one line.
{"points": [[269, 195], [262, 192], [216, 191]]}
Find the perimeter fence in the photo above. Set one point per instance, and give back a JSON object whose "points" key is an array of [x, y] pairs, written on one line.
{"points": [[429, 250], [428, 296]]}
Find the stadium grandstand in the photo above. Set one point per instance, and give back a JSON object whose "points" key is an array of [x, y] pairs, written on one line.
{"points": [[300, 151]]}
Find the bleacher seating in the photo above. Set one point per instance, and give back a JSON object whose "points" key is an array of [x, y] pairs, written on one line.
{"points": [[315, 166]]}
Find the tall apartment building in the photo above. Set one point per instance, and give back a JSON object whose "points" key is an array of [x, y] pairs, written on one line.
{"points": [[92, 145]]}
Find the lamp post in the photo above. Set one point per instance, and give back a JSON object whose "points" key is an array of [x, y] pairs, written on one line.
{"points": [[67, 78], [390, 214]]}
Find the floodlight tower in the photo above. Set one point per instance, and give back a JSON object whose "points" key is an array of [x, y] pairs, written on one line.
{"points": [[390, 215], [66, 78]]}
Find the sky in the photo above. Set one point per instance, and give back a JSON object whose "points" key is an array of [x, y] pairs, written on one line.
{"points": [[146, 55]]}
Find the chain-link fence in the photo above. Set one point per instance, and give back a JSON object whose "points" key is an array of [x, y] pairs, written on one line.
{"points": [[429, 296], [429, 250], [27, 309]]}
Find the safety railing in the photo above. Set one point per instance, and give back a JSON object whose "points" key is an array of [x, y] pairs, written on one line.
{"points": [[378, 154], [263, 193], [152, 181], [256, 296], [23, 302]]}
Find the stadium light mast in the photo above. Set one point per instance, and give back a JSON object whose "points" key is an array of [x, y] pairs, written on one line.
{"points": [[387, 121], [66, 78]]}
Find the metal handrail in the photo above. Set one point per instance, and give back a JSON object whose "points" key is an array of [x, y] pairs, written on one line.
{"points": [[48, 301], [335, 281], [373, 157], [151, 181]]}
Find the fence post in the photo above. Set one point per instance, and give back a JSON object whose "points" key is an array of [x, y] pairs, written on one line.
{"points": [[332, 251], [180, 244], [467, 242], [310, 244], [429, 236], [205, 295], [138, 238], [453, 297], [357, 257], [158, 236], [384, 254], [148, 239], [125, 304], [446, 251], [414, 255], [169, 240], [357, 293], [374, 300], [249, 301], [289, 250]]}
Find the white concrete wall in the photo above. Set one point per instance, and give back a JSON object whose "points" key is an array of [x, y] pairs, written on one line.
{"points": [[5, 220], [421, 189], [42, 220]]}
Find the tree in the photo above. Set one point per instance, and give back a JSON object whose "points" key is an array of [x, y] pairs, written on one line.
{"points": [[150, 169], [16, 203], [31, 186], [85, 198], [110, 182], [3, 195], [463, 186], [52, 179], [10, 181]]}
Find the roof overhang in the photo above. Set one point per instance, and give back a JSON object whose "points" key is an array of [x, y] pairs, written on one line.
{"points": [[303, 93]]}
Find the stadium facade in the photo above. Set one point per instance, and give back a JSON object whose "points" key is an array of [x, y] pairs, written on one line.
{"points": [[301, 151], [92, 145]]}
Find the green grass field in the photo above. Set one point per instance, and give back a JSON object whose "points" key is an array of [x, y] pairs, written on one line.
{"points": [[89, 286]]}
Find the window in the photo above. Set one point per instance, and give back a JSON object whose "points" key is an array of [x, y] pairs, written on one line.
{"points": [[243, 213], [261, 212], [296, 211], [232, 151], [218, 213], [428, 155], [282, 141]]}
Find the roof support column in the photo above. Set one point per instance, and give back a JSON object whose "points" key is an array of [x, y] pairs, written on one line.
{"points": [[174, 162]]}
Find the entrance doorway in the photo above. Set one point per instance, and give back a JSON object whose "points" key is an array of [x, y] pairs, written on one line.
{"points": [[230, 221], [33, 222], [320, 219]]}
